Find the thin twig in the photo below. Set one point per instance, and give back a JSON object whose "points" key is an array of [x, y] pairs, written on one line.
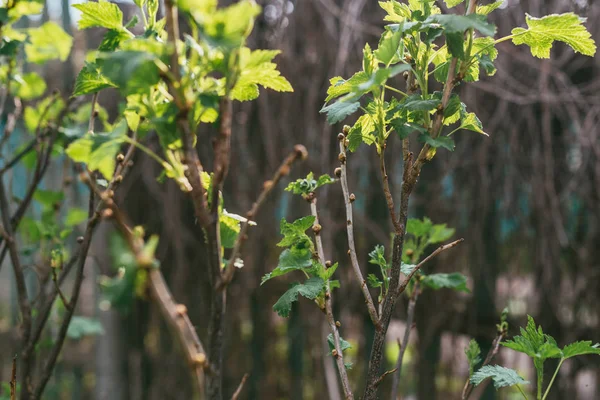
{"points": [[350, 229], [64, 327], [437, 251], [238, 391], [13, 380], [337, 352], [298, 153], [410, 314], [382, 377]]}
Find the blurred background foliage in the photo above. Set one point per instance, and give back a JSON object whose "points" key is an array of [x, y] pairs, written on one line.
{"points": [[525, 200]]}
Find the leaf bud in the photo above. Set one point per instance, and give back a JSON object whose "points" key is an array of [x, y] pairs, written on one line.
{"points": [[79, 239], [346, 143], [338, 323], [107, 213], [180, 310], [267, 185], [342, 157], [200, 359], [285, 169], [341, 137], [120, 157], [316, 228], [338, 172], [328, 263], [346, 129], [334, 353], [352, 197], [301, 152]]}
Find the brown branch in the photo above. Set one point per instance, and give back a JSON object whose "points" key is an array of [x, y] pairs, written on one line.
{"points": [[388, 194], [410, 314], [298, 153], [13, 379], [350, 230], [238, 391], [337, 352], [382, 377], [437, 251]]}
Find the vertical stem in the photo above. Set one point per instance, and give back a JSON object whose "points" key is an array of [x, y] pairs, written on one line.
{"points": [[337, 353], [553, 377], [409, 321]]}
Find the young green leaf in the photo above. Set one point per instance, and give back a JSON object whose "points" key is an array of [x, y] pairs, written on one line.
{"points": [[294, 232], [361, 132], [48, 42], [534, 342], [344, 345], [339, 86], [453, 3], [258, 70], [309, 289], [501, 376], [29, 86], [131, 71], [83, 326], [308, 184], [473, 352], [387, 52], [543, 32], [440, 141], [76, 216], [102, 14], [454, 281], [339, 110], [373, 281], [580, 348], [377, 257], [407, 269], [396, 11], [90, 80], [486, 9]]}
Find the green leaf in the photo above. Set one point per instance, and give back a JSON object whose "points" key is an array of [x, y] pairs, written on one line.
{"points": [[369, 62], [441, 141], [580, 348], [534, 343], [377, 257], [454, 281], [98, 151], [309, 289], [48, 198], [473, 352], [48, 42], [90, 80], [486, 9], [469, 121], [339, 110], [396, 11], [501, 376], [361, 132], [344, 345], [113, 39], [440, 233], [83, 326], [340, 86], [308, 184], [103, 14], [417, 102], [387, 52], [29, 86], [407, 269], [228, 27], [373, 281], [257, 69], [453, 23], [543, 32], [453, 3], [131, 71], [76, 216], [419, 228], [229, 228], [22, 8], [294, 232]]}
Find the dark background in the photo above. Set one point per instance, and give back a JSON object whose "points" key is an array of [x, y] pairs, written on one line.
{"points": [[526, 201]]}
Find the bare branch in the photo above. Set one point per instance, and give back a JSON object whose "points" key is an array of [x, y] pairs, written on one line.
{"points": [[388, 194], [437, 251], [350, 230], [337, 352], [410, 314], [13, 379], [238, 391]]}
